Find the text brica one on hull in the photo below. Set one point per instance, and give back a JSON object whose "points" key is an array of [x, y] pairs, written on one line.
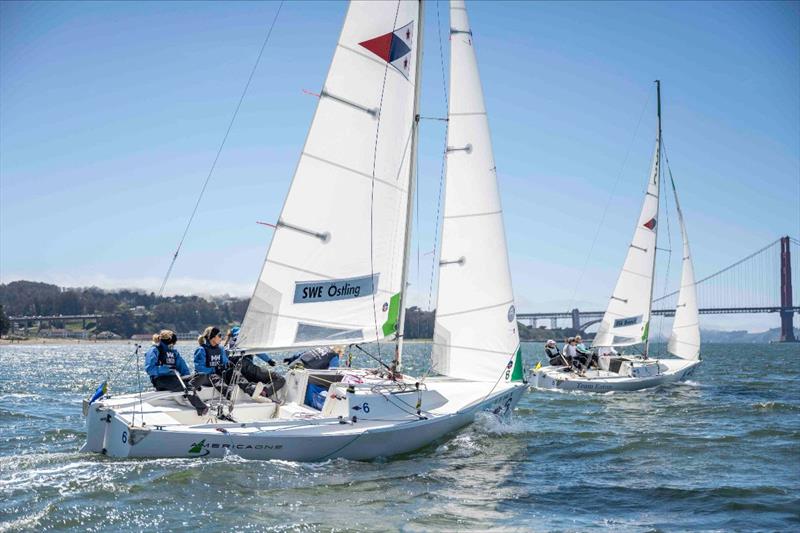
{"points": [[340, 278]]}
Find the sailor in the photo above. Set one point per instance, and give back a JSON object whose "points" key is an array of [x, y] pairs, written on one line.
{"points": [[162, 360], [553, 354], [585, 354], [163, 363], [256, 381], [232, 338], [210, 358], [569, 350], [317, 358]]}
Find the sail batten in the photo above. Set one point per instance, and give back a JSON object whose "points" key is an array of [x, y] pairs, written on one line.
{"points": [[475, 333], [335, 262]]}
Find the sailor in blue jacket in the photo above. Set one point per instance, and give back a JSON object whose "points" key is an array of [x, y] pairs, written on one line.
{"points": [[162, 360], [210, 358]]}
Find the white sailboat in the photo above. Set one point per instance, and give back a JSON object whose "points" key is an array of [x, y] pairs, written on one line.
{"points": [[336, 268], [626, 323]]}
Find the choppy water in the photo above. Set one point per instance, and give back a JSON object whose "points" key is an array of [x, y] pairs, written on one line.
{"points": [[721, 452]]}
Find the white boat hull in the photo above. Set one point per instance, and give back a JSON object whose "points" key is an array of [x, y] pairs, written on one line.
{"points": [[559, 378], [114, 431]]}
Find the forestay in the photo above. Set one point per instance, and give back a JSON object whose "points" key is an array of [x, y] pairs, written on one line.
{"points": [[475, 335], [627, 317], [333, 270], [684, 341]]}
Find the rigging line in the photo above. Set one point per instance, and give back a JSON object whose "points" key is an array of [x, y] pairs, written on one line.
{"points": [[669, 240], [737, 263], [608, 201], [380, 362], [118, 372], [219, 151], [139, 385], [496, 383], [441, 56], [444, 161], [372, 188]]}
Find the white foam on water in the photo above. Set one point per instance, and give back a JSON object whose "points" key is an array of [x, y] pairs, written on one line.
{"points": [[490, 424], [463, 445]]}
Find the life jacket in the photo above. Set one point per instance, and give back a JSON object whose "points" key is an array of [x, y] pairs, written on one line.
{"points": [[213, 355], [551, 352], [318, 358], [166, 357]]}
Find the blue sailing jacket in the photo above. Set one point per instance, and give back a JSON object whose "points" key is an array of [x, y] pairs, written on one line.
{"points": [[161, 361], [208, 360]]}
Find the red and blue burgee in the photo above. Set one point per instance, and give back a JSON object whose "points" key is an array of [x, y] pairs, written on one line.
{"points": [[650, 224], [394, 48]]}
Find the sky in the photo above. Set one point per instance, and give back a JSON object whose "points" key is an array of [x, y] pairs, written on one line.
{"points": [[111, 114]]}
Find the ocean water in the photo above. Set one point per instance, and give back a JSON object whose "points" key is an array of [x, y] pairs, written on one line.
{"points": [[719, 453]]}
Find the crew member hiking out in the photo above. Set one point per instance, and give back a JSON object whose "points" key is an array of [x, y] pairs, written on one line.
{"points": [[317, 358]]}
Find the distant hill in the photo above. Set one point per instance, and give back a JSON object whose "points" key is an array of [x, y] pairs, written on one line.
{"points": [[744, 336], [126, 312]]}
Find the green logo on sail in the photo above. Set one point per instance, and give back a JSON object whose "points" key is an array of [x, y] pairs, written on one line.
{"points": [[197, 447]]}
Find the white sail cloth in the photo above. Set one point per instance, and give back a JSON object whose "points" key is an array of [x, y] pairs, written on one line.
{"points": [[475, 334], [627, 317], [333, 270], [684, 341]]}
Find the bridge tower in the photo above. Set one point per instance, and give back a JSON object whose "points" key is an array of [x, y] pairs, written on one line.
{"points": [[576, 319], [787, 314]]}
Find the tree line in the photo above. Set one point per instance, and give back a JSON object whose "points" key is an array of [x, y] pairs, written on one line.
{"points": [[128, 312]]}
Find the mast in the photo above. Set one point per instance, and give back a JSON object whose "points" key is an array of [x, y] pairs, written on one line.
{"points": [[412, 185], [658, 205]]}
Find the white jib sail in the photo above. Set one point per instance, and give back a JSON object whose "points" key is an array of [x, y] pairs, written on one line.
{"points": [[684, 341], [627, 317], [333, 270], [475, 334]]}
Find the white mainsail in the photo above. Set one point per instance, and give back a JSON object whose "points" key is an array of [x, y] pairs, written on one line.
{"points": [[627, 317], [475, 335], [684, 341], [333, 272]]}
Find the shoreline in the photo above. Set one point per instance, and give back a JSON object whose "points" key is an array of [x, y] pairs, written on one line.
{"points": [[60, 341], [68, 341]]}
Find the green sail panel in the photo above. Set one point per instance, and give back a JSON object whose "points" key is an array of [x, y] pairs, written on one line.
{"points": [[390, 326], [517, 373]]}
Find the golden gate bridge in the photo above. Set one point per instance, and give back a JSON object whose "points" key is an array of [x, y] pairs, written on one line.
{"points": [[761, 282]]}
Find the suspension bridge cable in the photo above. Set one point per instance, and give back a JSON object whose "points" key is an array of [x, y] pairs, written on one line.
{"points": [[727, 268], [219, 151]]}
